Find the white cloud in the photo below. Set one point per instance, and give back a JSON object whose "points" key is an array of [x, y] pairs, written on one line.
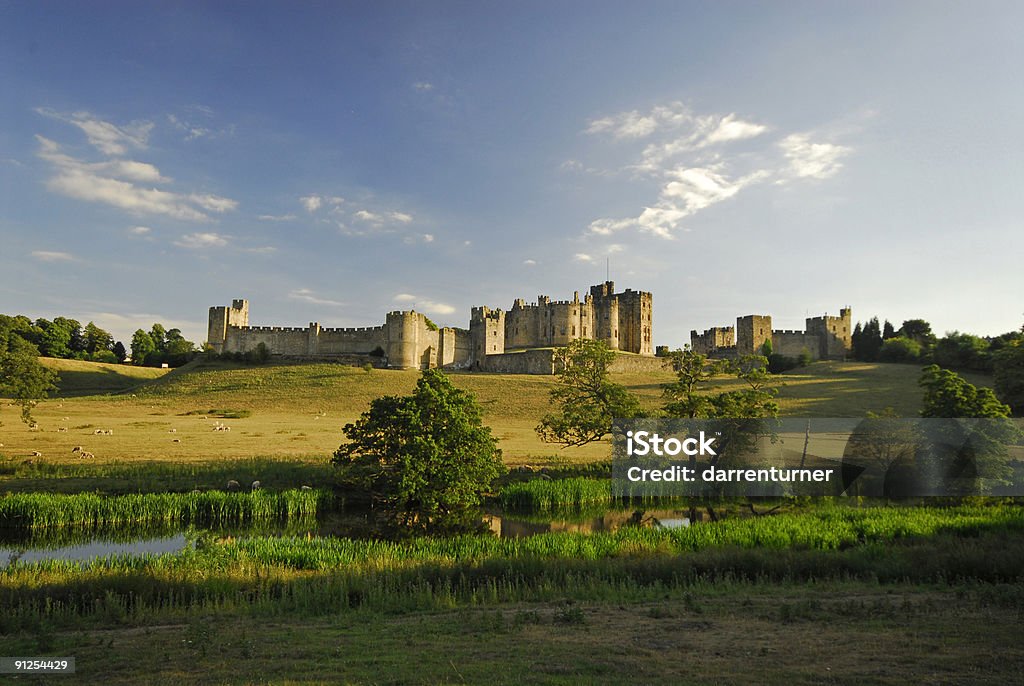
{"points": [[98, 182], [634, 124], [200, 241], [213, 203], [140, 230], [52, 256], [423, 86], [689, 191], [530, 263], [276, 217], [424, 304], [124, 195], [699, 161], [732, 129], [812, 160], [312, 203], [382, 218], [108, 138], [583, 257], [309, 296]]}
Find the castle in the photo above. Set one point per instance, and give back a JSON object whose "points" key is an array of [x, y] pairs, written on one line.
{"points": [[520, 340], [824, 338]]}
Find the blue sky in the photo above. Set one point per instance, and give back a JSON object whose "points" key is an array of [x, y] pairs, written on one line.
{"points": [[334, 161]]}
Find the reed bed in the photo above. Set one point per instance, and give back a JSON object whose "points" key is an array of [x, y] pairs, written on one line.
{"points": [[540, 495], [316, 575], [90, 511]]}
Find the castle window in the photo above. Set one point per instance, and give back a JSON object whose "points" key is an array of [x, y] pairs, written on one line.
{"points": [[574, 331], [584, 331], [616, 334]]}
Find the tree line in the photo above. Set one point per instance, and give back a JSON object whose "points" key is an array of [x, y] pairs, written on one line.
{"points": [[66, 338], [914, 342]]}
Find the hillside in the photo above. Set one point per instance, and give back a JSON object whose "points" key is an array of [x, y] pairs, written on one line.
{"points": [[298, 411], [93, 378]]}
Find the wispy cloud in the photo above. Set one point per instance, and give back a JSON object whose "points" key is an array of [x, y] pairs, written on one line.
{"points": [[52, 256], [108, 138], [309, 296], [813, 160], [381, 218], [701, 160], [530, 263], [424, 304], [140, 231], [276, 217], [197, 121], [583, 257], [423, 86], [312, 203], [202, 241], [112, 182]]}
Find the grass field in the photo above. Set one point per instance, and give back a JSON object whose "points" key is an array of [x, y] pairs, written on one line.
{"points": [[297, 411], [818, 593]]}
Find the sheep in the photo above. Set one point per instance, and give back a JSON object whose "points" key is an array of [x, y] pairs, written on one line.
{"points": [[255, 486], [77, 448], [86, 455], [176, 440], [36, 453], [306, 488], [234, 485], [172, 431], [62, 429], [65, 419]]}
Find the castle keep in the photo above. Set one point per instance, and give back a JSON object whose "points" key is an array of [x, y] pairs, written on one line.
{"points": [[824, 338], [519, 340]]}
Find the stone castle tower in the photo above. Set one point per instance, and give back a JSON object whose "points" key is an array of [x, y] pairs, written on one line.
{"points": [[409, 340]]}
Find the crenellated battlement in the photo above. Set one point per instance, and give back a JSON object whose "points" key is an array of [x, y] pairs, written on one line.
{"points": [[825, 337], [406, 338]]}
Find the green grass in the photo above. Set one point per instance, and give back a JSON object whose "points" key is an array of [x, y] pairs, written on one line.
{"points": [[297, 411], [541, 495], [91, 378], [25, 511], [314, 576]]}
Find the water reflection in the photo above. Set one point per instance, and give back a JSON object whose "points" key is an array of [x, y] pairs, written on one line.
{"points": [[512, 525], [87, 544], [93, 549]]}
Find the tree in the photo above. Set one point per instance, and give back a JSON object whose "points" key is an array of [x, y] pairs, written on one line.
{"points": [[24, 378], [886, 448], [918, 330], [900, 349], [1008, 376], [868, 341], [962, 351], [888, 331], [586, 398], [424, 455], [119, 352], [97, 339], [142, 347], [966, 451], [55, 340]]}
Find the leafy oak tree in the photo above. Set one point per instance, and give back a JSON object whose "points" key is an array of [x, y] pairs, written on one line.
{"points": [[970, 456], [23, 378], [424, 456], [586, 398]]}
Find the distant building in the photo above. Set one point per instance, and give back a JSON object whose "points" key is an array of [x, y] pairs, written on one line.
{"points": [[823, 338], [519, 340]]}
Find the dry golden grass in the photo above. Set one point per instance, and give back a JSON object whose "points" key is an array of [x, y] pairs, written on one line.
{"points": [[297, 411]]}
